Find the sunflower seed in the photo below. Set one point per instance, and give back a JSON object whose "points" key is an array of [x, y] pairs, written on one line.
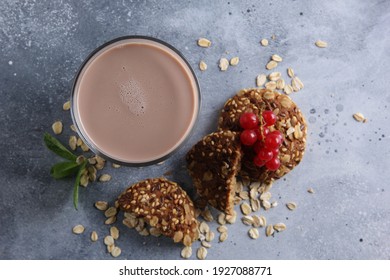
{"points": [[101, 205], [202, 66], [104, 178], [276, 58], [253, 233], [269, 230], [271, 65], [310, 190], [264, 42], [110, 220], [204, 43], [201, 253], [245, 208], [221, 229], [291, 206], [110, 212], [94, 236], [321, 44], [234, 61], [78, 229], [280, 84], [223, 236], [116, 251], [114, 231], [359, 117], [57, 127], [290, 72], [205, 244], [223, 64], [66, 106], [186, 252], [279, 227]]}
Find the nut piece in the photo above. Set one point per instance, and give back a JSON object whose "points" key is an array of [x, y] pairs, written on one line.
{"points": [[202, 66], [186, 252], [253, 233], [57, 127], [204, 43], [359, 117], [223, 64], [279, 227], [94, 236], [78, 229], [271, 65], [321, 44], [66, 106], [234, 61], [276, 58], [291, 206], [260, 80], [201, 253], [264, 42], [104, 178], [101, 205]]}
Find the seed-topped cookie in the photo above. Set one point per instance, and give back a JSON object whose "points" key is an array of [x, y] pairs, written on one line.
{"points": [[213, 164], [163, 204], [289, 122]]}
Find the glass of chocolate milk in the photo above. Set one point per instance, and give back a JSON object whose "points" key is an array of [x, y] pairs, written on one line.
{"points": [[135, 100]]}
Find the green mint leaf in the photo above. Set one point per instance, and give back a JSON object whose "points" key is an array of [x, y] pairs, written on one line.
{"points": [[55, 146], [64, 169], [77, 184]]}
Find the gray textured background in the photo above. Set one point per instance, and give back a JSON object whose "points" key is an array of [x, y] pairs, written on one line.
{"points": [[42, 43]]}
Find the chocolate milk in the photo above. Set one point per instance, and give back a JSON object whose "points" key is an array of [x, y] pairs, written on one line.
{"points": [[135, 101]]}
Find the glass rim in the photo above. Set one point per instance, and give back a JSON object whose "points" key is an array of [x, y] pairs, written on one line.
{"points": [[90, 144]]}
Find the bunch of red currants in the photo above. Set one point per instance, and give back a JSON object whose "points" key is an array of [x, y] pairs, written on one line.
{"points": [[265, 144]]}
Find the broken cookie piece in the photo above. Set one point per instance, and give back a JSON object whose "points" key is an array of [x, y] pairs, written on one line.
{"points": [[164, 205], [213, 164], [290, 122]]}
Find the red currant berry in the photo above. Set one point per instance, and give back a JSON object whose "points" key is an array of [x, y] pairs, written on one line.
{"points": [[258, 162], [259, 133], [269, 118], [277, 133], [258, 146], [273, 164], [249, 121], [272, 141], [275, 152], [248, 137], [265, 154]]}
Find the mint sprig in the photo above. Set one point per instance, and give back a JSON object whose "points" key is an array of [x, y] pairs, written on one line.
{"points": [[73, 165]]}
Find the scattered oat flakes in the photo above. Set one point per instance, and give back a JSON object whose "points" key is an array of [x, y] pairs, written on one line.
{"points": [[210, 236], [110, 220], [279, 227], [221, 229], [245, 208], [276, 58], [207, 216], [270, 85], [186, 252], [222, 218], [201, 253], [321, 44], [94, 236], [204, 227], [266, 205], [253, 233], [101, 205], [204, 43], [274, 76], [73, 128], [264, 42], [223, 64], [73, 142], [280, 84], [231, 219], [247, 220], [223, 236], [66, 106], [202, 66], [114, 231], [234, 61], [112, 211], [291, 206], [84, 147], [310, 190], [104, 178], [288, 89], [269, 230], [116, 251], [290, 72], [271, 65], [114, 165], [274, 204], [205, 244], [109, 240], [78, 229], [57, 127], [359, 117]]}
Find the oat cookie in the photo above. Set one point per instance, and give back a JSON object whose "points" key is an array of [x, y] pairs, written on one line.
{"points": [[291, 123], [163, 205], [213, 164]]}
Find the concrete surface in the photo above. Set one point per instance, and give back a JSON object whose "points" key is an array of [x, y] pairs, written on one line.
{"points": [[42, 43]]}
